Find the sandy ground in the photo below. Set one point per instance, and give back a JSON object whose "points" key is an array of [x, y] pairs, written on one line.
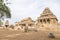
{"points": [[18, 35]]}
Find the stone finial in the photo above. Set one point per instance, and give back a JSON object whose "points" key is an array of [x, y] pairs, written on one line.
{"points": [[47, 10]]}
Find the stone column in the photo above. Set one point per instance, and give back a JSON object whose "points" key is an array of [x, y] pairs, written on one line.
{"points": [[46, 21], [42, 21], [26, 28]]}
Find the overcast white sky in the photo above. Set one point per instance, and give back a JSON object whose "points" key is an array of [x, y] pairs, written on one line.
{"points": [[32, 8]]}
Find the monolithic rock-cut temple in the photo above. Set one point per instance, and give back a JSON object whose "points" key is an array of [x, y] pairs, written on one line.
{"points": [[27, 22], [6, 24], [47, 19], [16, 26]]}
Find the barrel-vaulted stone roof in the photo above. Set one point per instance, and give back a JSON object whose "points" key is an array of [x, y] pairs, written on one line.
{"points": [[27, 21]]}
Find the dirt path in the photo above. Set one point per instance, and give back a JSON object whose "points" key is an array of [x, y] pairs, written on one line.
{"points": [[17, 35]]}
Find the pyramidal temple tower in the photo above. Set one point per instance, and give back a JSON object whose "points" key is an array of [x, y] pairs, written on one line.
{"points": [[47, 19]]}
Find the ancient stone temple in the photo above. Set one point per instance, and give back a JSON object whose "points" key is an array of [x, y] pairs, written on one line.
{"points": [[16, 26], [47, 19], [27, 22], [6, 24]]}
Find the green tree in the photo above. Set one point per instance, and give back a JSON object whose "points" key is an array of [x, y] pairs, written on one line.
{"points": [[1, 23], [4, 10]]}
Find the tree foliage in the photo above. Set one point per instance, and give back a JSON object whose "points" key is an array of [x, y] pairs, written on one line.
{"points": [[4, 11], [1, 23]]}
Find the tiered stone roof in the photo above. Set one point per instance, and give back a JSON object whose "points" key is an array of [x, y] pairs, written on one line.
{"points": [[47, 14]]}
